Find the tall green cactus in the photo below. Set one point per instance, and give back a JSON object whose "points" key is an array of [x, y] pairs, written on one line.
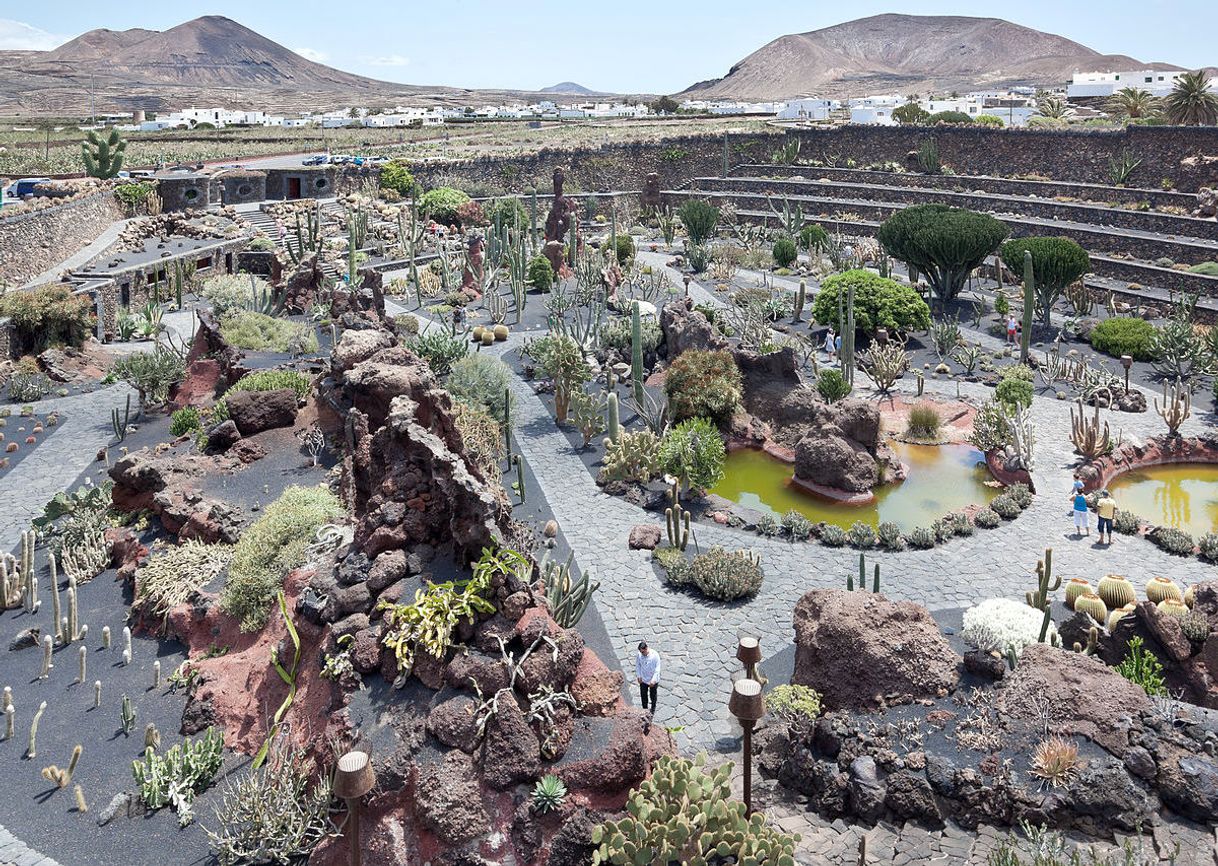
{"points": [[615, 420], [636, 352], [677, 520], [1029, 296], [801, 296], [103, 157], [848, 339], [568, 599], [1045, 584]]}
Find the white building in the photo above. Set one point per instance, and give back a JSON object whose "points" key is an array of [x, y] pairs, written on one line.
{"points": [[808, 109], [875, 110], [1158, 81]]}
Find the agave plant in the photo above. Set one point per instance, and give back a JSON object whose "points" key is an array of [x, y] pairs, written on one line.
{"points": [[549, 793]]}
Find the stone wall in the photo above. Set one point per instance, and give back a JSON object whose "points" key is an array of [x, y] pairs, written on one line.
{"points": [[1175, 154], [33, 242]]}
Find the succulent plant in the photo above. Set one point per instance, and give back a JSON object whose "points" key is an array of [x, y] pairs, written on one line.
{"points": [[1116, 591], [1075, 587], [1115, 616], [1190, 596], [1092, 605], [1173, 607], [549, 793], [1159, 589]]}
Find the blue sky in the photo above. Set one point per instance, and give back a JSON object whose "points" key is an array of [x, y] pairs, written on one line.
{"points": [[656, 46]]}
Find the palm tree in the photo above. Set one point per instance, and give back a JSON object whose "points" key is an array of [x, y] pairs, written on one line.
{"points": [[1191, 102], [1054, 107], [1131, 103]]}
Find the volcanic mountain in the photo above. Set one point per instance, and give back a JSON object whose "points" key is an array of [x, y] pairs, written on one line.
{"points": [[211, 60], [908, 54]]}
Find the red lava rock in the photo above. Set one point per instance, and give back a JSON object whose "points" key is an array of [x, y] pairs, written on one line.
{"points": [[256, 411], [203, 378], [605, 778], [248, 451], [645, 536], [127, 553], [596, 689]]}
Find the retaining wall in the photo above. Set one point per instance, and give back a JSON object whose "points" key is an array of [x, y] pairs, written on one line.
{"points": [[35, 241]]}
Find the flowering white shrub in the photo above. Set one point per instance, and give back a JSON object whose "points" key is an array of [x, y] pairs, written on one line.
{"points": [[998, 623]]}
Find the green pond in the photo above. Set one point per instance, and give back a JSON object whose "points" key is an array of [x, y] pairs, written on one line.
{"points": [[941, 478], [1183, 495]]}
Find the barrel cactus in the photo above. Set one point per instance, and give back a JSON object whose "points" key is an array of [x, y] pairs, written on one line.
{"points": [[1173, 607], [1075, 587], [1159, 589], [684, 813], [1190, 596], [1116, 615], [1116, 591], [1092, 605]]}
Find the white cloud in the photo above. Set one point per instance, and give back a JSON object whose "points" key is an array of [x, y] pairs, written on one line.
{"points": [[312, 54], [19, 36], [389, 60]]}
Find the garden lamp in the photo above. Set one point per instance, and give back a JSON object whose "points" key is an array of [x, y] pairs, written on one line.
{"points": [[354, 778], [748, 652], [747, 705], [1127, 362]]}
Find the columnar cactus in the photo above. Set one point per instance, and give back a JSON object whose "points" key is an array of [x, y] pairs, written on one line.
{"points": [[96, 694], [156, 674], [84, 659], [1029, 301], [105, 637], [1176, 408], [674, 517], [636, 352], [1090, 440], [73, 624], [127, 654], [568, 599], [1045, 584], [801, 296], [10, 722], [47, 644], [55, 597], [32, 750], [127, 716]]}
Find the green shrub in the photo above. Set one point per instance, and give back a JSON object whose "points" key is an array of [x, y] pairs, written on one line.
{"points": [[1015, 387], [833, 536], [1174, 541], [1005, 507], [151, 374], [878, 303], [625, 251], [1056, 263], [832, 385], [924, 421], [693, 452], [481, 381], [1141, 667], [861, 535], [395, 175], [273, 545], [47, 316], [229, 294], [1206, 269], [541, 273], [699, 218], [184, 420], [813, 238], [949, 117], [784, 252], [1124, 336], [942, 242], [258, 332], [988, 120], [703, 384], [726, 575], [274, 380], [923, 538], [439, 349], [794, 704], [889, 537], [442, 203]]}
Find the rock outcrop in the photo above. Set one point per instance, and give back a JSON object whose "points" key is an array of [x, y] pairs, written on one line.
{"points": [[685, 328]]}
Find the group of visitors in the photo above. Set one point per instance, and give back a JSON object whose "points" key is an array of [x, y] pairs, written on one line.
{"points": [[1105, 509]]}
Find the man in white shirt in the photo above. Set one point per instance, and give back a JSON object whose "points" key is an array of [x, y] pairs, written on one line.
{"points": [[647, 672]]}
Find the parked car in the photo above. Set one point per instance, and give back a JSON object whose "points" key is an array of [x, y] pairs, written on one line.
{"points": [[25, 186], [319, 159]]}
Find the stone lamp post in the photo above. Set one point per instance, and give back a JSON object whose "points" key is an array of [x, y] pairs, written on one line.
{"points": [[354, 779], [748, 706], [1126, 362]]}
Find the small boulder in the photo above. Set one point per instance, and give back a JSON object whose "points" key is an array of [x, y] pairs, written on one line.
{"points": [[449, 800], [645, 536], [510, 751], [222, 436], [455, 723], [256, 411]]}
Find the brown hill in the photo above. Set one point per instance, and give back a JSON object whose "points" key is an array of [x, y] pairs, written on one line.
{"points": [[907, 54], [211, 60]]}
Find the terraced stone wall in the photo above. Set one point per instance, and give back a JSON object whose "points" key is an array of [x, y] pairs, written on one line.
{"points": [[33, 241]]}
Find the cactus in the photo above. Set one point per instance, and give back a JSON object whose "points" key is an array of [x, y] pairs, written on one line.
{"points": [[1190, 595], [1075, 587], [568, 600], [127, 653], [1116, 615], [1172, 607], [636, 352], [801, 296], [1093, 636], [32, 750], [62, 778], [59, 636], [83, 653], [1176, 408], [635, 457], [8, 697], [519, 465], [152, 737], [73, 624], [1159, 589], [127, 716], [1029, 295], [615, 423], [105, 637], [10, 722], [47, 644], [120, 423], [677, 520], [1089, 440], [847, 356], [81, 805], [1092, 605], [1116, 591], [1045, 584], [96, 694], [156, 674]]}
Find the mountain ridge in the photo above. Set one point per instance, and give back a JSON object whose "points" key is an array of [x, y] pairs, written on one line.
{"points": [[908, 54]]}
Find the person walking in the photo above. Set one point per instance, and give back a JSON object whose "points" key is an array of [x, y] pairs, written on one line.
{"points": [[1012, 328], [647, 672], [1105, 508], [1081, 523], [831, 344]]}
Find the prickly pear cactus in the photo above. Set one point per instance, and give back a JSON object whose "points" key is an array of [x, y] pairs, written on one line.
{"points": [[684, 814]]}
